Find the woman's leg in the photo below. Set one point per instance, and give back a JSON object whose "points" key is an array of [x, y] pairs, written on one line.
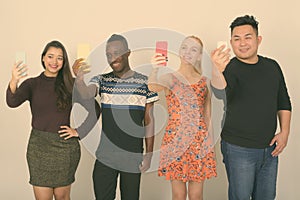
{"points": [[43, 193], [178, 190], [62, 193], [195, 190]]}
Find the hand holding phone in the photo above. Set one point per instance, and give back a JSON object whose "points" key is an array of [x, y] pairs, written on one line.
{"points": [[21, 61], [20, 57], [162, 49], [221, 56], [83, 51], [222, 43]]}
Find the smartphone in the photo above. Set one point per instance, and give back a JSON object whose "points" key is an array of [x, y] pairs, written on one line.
{"points": [[20, 56], [83, 51], [220, 43], [162, 48]]}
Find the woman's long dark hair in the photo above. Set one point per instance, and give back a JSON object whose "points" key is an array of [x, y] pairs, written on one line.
{"points": [[64, 80]]}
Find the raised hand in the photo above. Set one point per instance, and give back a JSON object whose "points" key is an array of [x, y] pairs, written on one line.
{"points": [[220, 58], [19, 71], [80, 68], [158, 60]]}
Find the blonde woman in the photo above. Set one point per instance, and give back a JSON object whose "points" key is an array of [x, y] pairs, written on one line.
{"points": [[187, 157]]}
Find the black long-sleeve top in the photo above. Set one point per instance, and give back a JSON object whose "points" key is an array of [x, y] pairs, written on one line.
{"points": [[254, 95]]}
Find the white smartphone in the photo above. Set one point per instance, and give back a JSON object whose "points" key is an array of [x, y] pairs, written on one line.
{"points": [[220, 43], [21, 56]]}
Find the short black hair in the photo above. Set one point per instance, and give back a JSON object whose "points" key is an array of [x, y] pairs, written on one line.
{"points": [[245, 20], [116, 37]]}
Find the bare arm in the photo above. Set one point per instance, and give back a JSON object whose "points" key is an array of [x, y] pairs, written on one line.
{"points": [[153, 82], [156, 84], [86, 92], [79, 69], [281, 138], [94, 111], [149, 137], [207, 109]]}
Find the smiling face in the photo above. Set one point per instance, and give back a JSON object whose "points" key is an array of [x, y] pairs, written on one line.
{"points": [[190, 51], [117, 56], [245, 42], [53, 61]]}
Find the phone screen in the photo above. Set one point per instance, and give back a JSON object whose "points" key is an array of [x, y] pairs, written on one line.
{"points": [[220, 43], [83, 51], [20, 56], [162, 48]]}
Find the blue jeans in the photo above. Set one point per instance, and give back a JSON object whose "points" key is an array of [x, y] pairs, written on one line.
{"points": [[251, 173]]}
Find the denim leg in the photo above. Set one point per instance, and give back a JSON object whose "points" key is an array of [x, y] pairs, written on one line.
{"points": [[240, 166], [265, 186], [252, 173]]}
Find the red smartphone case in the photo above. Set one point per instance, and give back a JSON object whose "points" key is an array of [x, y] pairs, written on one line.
{"points": [[162, 48]]}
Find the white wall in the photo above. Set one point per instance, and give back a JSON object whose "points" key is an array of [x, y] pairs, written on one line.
{"points": [[29, 25]]}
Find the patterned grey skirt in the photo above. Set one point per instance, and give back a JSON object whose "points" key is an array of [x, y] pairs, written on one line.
{"points": [[52, 161]]}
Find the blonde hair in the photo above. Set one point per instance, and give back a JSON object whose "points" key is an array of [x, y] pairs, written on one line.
{"points": [[199, 67], [197, 39]]}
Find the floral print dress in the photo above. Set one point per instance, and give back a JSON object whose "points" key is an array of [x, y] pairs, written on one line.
{"points": [[186, 152]]}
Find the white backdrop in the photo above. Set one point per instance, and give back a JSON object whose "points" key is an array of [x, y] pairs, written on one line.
{"points": [[29, 25]]}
